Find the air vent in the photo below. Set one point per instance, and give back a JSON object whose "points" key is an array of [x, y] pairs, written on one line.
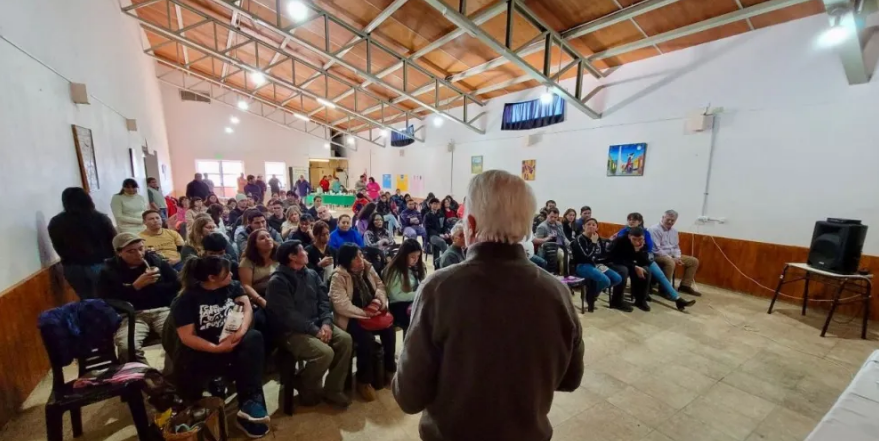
{"points": [[186, 95]]}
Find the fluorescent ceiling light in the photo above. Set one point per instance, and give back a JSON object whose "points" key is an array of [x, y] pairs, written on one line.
{"points": [[318, 160], [326, 103], [302, 117], [243, 105]]}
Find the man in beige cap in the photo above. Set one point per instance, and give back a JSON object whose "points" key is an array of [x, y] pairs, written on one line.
{"points": [[143, 279]]}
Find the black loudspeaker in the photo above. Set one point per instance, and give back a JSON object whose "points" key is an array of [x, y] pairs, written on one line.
{"points": [[836, 245]]}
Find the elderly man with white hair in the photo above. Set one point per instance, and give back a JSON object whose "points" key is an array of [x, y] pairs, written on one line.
{"points": [[667, 252], [493, 332], [455, 253]]}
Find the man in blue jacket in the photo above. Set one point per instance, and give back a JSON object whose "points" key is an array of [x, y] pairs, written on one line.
{"points": [[299, 312], [412, 223]]}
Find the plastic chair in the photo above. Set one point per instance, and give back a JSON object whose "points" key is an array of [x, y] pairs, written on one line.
{"points": [[64, 398]]}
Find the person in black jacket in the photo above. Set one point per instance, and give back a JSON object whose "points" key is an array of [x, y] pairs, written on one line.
{"points": [[590, 257], [630, 258], [303, 233], [83, 238], [147, 282], [198, 188], [321, 256], [434, 220], [299, 312]]}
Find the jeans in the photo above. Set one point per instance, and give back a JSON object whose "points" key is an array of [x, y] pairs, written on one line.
{"points": [[666, 286], [539, 261], [401, 315], [244, 365], [83, 279], [366, 350], [391, 224], [602, 280], [321, 357], [691, 264], [144, 322]]}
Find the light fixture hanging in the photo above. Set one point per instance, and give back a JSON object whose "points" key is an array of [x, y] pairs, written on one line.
{"points": [[547, 97], [438, 120], [297, 10], [302, 117], [326, 103], [243, 105], [350, 140], [837, 32], [234, 120], [258, 78], [327, 145]]}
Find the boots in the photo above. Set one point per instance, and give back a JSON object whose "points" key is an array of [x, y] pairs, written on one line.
{"points": [[641, 303], [681, 303], [591, 296], [617, 302]]}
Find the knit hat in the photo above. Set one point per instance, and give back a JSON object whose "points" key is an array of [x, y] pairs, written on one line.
{"points": [[123, 240]]}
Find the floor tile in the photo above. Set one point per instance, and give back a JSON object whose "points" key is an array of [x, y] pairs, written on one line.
{"points": [[606, 421], [642, 406], [783, 424], [730, 422], [739, 401], [683, 427], [670, 393]]}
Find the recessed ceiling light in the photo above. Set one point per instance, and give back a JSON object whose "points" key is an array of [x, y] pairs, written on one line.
{"points": [[258, 78], [229, 130], [326, 103], [234, 120], [243, 105], [301, 116], [297, 10]]}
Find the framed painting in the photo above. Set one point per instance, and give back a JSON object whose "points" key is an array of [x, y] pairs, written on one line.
{"points": [[85, 153], [529, 169], [626, 159], [475, 165]]}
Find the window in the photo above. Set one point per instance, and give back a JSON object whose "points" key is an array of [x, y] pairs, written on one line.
{"points": [[533, 114], [224, 174], [400, 140], [279, 169]]}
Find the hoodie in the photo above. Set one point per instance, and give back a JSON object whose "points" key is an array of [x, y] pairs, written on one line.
{"points": [[297, 302]]}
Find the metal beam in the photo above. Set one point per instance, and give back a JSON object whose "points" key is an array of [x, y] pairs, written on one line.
{"points": [[711, 23], [180, 26], [234, 22], [843, 14], [366, 75], [468, 25], [570, 34], [290, 84]]}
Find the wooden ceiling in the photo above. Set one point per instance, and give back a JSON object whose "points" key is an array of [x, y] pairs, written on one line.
{"points": [[412, 27]]}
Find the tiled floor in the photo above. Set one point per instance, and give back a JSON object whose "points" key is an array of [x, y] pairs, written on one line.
{"points": [[724, 371]]}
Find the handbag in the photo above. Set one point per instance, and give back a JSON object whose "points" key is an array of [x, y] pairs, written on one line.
{"points": [[381, 321]]}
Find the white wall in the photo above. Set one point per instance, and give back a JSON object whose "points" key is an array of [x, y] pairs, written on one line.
{"points": [[86, 41], [196, 131], [794, 142]]}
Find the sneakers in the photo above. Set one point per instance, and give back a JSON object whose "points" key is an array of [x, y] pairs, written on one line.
{"points": [[253, 410], [689, 290], [642, 305], [681, 303], [337, 399], [252, 430], [366, 391]]}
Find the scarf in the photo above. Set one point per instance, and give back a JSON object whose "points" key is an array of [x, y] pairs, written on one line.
{"points": [[362, 288]]}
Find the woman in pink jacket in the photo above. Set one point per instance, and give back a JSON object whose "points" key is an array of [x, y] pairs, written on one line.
{"points": [[373, 189]]}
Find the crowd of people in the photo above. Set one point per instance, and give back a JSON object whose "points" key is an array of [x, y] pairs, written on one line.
{"points": [[323, 287]]}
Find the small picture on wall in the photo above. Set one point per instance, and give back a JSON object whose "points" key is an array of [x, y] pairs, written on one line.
{"points": [[476, 165], [85, 154], [529, 169], [626, 159]]}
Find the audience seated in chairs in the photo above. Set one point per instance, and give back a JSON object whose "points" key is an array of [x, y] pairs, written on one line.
{"points": [[276, 219], [434, 223], [324, 214], [585, 214], [667, 252], [197, 207], [402, 276], [360, 201], [353, 287], [345, 234], [636, 220], [217, 245], [167, 243], [200, 316], [455, 253], [291, 222], [292, 200], [177, 221], [202, 227], [216, 213], [256, 220], [236, 210], [550, 233], [450, 207], [303, 231], [590, 257], [377, 235], [412, 223], [631, 258], [388, 210], [364, 217], [399, 203], [321, 256], [144, 280], [568, 224], [299, 313], [258, 263], [83, 238]]}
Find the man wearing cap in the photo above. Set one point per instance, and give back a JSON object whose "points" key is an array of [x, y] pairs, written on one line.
{"points": [[143, 279]]}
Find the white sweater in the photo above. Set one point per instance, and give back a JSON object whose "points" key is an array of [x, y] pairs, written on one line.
{"points": [[127, 211]]}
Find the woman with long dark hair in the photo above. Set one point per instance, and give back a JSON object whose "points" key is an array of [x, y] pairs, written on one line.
{"points": [[568, 221], [83, 238], [200, 314], [216, 213], [212, 199], [402, 276], [354, 286], [364, 217], [450, 208], [377, 236], [128, 207], [258, 263]]}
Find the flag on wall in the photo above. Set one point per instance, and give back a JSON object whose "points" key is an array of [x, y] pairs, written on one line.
{"points": [[403, 182], [386, 182]]}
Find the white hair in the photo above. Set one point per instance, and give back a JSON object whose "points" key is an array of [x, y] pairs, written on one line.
{"points": [[671, 213], [502, 204], [458, 228]]}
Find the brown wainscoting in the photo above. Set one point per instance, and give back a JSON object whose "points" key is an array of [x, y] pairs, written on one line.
{"points": [[762, 262], [22, 356]]}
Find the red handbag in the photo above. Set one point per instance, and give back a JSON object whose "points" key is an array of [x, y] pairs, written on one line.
{"points": [[381, 321]]}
